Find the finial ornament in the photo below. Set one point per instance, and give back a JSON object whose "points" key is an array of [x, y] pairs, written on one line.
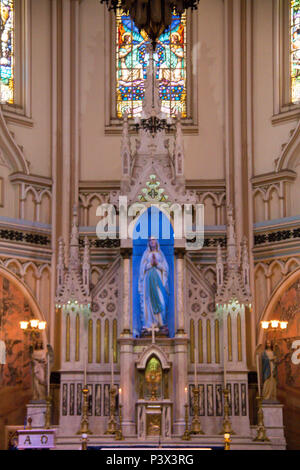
{"points": [[233, 283]]}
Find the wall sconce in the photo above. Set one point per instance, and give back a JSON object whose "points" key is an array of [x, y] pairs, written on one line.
{"points": [[32, 325]]}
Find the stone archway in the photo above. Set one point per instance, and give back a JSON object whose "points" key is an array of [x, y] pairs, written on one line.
{"points": [[285, 306], [16, 304]]}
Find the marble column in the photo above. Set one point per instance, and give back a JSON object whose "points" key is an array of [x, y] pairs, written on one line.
{"points": [[127, 383], [179, 253], [126, 255], [180, 376], [127, 360], [180, 381]]}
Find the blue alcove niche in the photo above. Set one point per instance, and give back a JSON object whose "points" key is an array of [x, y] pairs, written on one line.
{"points": [[152, 223]]}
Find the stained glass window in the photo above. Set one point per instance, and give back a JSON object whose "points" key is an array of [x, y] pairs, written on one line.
{"points": [[295, 51], [132, 60], [7, 51]]}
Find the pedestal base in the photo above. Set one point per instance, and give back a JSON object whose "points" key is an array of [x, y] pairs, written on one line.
{"points": [[36, 410], [273, 419]]}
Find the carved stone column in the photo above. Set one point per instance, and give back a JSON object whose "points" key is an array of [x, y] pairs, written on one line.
{"points": [[126, 255], [127, 383], [181, 380], [179, 253]]}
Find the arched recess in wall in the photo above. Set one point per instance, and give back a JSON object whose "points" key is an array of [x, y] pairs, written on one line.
{"points": [[290, 159], [16, 304], [10, 150], [285, 306], [259, 206]]}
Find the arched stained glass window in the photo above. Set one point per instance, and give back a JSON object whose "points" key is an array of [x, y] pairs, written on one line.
{"points": [[295, 50], [132, 59], [7, 51]]}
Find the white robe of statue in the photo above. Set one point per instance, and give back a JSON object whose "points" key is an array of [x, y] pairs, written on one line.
{"points": [[153, 286]]}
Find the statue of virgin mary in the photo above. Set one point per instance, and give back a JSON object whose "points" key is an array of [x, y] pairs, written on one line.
{"points": [[153, 287]]}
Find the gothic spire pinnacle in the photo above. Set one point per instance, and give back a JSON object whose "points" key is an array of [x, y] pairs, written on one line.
{"points": [[234, 285], [178, 149], [74, 260], [126, 147], [60, 263], [220, 266], [86, 265], [232, 260], [151, 102], [245, 263]]}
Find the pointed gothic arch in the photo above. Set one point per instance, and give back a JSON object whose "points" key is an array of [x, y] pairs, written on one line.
{"points": [[282, 287]]}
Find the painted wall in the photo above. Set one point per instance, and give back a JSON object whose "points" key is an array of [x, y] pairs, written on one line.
{"points": [[288, 309], [15, 378]]}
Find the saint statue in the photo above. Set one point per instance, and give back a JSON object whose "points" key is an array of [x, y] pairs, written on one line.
{"points": [[153, 287], [39, 365], [269, 373]]}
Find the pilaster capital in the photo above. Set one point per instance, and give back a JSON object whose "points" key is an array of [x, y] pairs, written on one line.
{"points": [[126, 253], [180, 252]]}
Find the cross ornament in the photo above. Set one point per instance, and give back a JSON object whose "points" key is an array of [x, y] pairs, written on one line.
{"points": [[153, 330]]}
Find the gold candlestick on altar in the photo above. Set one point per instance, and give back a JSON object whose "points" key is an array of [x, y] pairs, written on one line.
{"points": [[84, 425], [48, 413], [196, 425], [119, 433], [186, 436], [227, 441], [261, 435], [112, 423], [227, 429]]}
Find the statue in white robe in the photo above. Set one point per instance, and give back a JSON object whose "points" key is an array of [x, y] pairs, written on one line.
{"points": [[153, 287]]}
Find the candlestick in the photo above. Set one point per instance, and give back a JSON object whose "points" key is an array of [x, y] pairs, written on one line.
{"points": [[186, 436], [224, 353], [84, 379], [195, 367], [261, 435], [112, 369], [48, 376], [258, 375]]}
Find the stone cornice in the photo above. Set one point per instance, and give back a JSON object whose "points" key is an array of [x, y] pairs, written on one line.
{"points": [[115, 185], [34, 180], [273, 177]]}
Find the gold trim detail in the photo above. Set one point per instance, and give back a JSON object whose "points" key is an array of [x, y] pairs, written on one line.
{"points": [[98, 341], [115, 350], [68, 337], [229, 336], [239, 337], [90, 341], [192, 341], [217, 341], [200, 341], [106, 341], [77, 337], [208, 341]]}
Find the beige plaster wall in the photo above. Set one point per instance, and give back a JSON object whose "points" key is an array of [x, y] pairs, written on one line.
{"points": [[36, 140], [267, 138], [100, 154]]}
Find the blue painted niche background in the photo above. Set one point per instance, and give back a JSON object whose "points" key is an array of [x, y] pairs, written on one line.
{"points": [[157, 223]]}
